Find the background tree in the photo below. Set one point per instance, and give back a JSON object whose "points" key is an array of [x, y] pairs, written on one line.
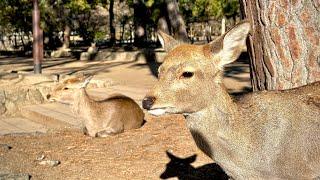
{"points": [[203, 10], [15, 16], [61, 19], [166, 16], [160, 16], [284, 44], [141, 17], [62, 16], [111, 23], [176, 20]]}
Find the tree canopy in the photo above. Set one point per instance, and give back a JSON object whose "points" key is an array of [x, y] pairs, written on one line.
{"points": [[81, 16]]}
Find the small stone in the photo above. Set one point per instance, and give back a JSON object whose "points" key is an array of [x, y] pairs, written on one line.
{"points": [[71, 147], [40, 157], [51, 163], [5, 147], [21, 176]]}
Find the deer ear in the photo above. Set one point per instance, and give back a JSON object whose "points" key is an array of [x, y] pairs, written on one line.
{"points": [[234, 43], [167, 41]]}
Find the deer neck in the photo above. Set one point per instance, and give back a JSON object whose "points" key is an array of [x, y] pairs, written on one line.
{"points": [[220, 113], [212, 126], [81, 102]]}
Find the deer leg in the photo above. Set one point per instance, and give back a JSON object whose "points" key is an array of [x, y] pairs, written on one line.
{"points": [[107, 132]]}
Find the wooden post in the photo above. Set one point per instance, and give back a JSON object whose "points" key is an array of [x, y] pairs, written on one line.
{"points": [[37, 38]]}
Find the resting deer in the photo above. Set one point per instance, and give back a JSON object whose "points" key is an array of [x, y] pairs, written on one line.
{"points": [[104, 117], [262, 135]]}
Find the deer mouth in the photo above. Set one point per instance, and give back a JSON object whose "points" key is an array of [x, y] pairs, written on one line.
{"points": [[162, 110], [157, 111]]}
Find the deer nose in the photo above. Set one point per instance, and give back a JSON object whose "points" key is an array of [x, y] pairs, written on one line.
{"points": [[147, 102]]}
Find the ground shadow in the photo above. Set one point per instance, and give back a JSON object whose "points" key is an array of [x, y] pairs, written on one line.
{"points": [[149, 55], [243, 91], [183, 170], [240, 66]]}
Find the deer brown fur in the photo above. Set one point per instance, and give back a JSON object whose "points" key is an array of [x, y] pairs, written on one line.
{"points": [[261, 135], [101, 117]]}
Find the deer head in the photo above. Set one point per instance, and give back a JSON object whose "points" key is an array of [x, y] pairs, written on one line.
{"points": [[191, 76]]}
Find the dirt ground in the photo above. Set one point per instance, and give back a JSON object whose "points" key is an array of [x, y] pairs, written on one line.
{"points": [[135, 154]]}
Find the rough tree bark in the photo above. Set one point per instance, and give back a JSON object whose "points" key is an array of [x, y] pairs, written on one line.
{"points": [[284, 44], [176, 21]]}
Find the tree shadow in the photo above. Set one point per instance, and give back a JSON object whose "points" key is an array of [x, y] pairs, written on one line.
{"points": [[183, 170], [151, 60]]}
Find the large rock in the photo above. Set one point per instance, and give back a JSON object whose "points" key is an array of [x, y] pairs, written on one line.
{"points": [[149, 55], [19, 97], [18, 90]]}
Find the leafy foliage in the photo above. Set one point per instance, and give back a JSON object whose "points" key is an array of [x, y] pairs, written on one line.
{"points": [[203, 10], [16, 15]]}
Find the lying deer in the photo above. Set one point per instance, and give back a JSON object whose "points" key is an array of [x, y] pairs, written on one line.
{"points": [[262, 135], [104, 117]]}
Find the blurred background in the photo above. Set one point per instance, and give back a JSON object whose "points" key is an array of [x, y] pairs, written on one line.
{"points": [[131, 23]]}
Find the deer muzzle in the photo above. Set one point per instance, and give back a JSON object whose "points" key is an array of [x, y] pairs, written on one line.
{"points": [[147, 102]]}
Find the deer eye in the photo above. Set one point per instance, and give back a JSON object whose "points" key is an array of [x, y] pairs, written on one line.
{"points": [[65, 88], [187, 74]]}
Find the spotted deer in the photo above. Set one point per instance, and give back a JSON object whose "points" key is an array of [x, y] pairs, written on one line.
{"points": [[104, 117], [260, 135]]}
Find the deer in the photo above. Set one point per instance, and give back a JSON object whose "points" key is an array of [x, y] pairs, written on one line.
{"points": [[102, 118], [259, 135]]}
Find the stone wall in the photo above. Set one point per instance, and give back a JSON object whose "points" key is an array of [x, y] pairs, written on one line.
{"points": [[134, 55], [18, 90], [11, 100]]}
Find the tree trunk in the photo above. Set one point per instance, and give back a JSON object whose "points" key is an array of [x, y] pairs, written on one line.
{"points": [[111, 23], [163, 25], [177, 21], [3, 43], [66, 37], [284, 43], [15, 41], [163, 21], [140, 18]]}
